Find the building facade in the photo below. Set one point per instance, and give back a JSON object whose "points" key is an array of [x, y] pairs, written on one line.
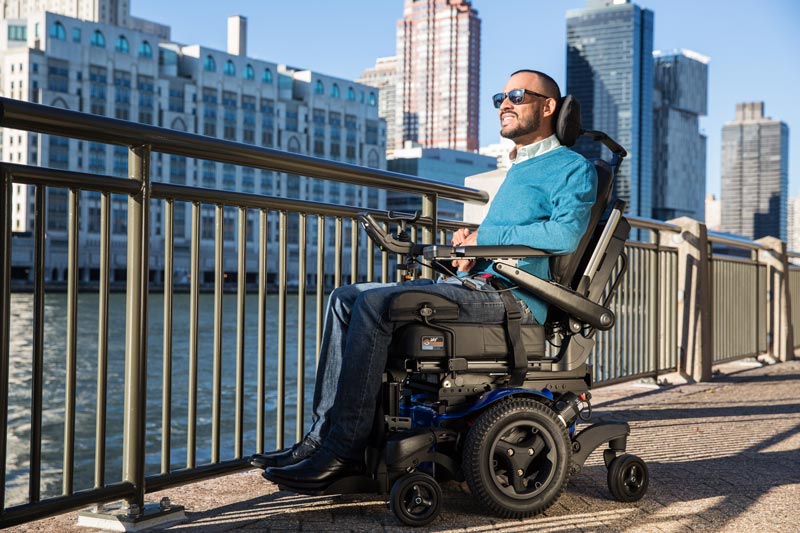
{"points": [[440, 164], [438, 54], [793, 226], [115, 71], [679, 149], [755, 173], [610, 72], [383, 76]]}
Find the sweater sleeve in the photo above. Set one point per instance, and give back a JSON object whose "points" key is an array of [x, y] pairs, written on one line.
{"points": [[572, 199]]}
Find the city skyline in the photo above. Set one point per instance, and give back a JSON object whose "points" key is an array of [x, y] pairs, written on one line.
{"points": [[741, 69]]}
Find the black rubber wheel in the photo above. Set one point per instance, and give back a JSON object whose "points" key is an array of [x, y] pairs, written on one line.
{"points": [[416, 499], [628, 478], [517, 457]]}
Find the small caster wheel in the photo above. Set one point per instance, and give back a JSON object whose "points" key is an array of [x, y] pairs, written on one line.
{"points": [[628, 478], [416, 499]]}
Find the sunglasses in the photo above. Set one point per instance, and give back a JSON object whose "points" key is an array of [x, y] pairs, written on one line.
{"points": [[515, 96]]}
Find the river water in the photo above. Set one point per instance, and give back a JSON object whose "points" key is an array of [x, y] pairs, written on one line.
{"points": [[19, 405]]}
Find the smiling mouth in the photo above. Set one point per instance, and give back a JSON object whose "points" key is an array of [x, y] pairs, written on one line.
{"points": [[506, 117]]}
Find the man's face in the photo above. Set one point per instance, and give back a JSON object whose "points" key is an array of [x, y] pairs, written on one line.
{"points": [[525, 119]]}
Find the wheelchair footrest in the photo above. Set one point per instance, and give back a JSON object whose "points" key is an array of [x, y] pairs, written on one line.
{"points": [[348, 485], [589, 439]]}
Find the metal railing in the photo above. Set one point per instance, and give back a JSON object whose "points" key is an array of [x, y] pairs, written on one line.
{"points": [[196, 400]]}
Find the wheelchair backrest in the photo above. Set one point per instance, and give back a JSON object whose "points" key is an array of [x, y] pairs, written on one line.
{"points": [[563, 268]]}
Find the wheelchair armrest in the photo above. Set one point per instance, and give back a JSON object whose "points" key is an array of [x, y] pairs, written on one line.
{"points": [[573, 303], [440, 252]]}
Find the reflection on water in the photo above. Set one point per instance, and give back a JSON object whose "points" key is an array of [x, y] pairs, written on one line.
{"points": [[20, 383]]}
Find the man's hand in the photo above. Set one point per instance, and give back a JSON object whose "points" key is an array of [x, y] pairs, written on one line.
{"points": [[463, 237]]}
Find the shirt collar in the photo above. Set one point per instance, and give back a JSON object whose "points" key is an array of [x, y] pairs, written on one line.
{"points": [[538, 148]]}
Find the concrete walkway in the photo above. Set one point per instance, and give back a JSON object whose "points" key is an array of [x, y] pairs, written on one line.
{"points": [[723, 456]]}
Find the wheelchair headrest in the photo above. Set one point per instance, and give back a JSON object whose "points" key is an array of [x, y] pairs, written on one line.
{"points": [[568, 120]]}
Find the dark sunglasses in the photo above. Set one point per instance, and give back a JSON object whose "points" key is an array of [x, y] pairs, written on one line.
{"points": [[515, 96]]}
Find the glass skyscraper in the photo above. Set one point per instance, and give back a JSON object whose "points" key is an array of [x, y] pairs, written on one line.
{"points": [[610, 72], [679, 150], [755, 173]]}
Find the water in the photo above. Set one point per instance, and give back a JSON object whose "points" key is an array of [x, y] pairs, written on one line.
{"points": [[19, 404]]}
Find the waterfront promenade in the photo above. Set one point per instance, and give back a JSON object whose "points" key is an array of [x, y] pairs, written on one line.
{"points": [[723, 456]]}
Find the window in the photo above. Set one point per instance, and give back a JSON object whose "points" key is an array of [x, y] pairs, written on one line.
{"points": [[76, 35], [267, 76], [57, 31], [351, 94], [122, 45], [98, 40], [372, 100], [319, 88], [230, 68], [210, 65], [17, 33], [145, 50], [249, 73], [335, 91]]}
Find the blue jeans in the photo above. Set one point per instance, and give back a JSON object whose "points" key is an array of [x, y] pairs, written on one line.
{"points": [[354, 348]]}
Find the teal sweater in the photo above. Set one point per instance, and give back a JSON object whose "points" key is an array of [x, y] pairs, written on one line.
{"points": [[545, 203]]}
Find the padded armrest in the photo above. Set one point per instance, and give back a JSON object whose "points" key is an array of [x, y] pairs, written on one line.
{"points": [[438, 251]]}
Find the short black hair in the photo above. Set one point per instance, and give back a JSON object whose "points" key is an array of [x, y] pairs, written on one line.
{"points": [[551, 87]]}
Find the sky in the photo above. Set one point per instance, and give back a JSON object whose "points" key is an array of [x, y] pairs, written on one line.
{"points": [[754, 47]]}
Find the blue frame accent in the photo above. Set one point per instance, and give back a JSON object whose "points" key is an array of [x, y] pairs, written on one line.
{"points": [[490, 398]]}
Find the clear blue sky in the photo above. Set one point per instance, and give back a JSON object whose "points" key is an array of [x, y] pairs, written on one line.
{"points": [[754, 46]]}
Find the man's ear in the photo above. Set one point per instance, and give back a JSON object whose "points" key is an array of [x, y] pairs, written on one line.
{"points": [[550, 107]]}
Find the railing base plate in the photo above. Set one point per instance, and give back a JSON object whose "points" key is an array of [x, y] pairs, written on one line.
{"points": [[116, 519]]}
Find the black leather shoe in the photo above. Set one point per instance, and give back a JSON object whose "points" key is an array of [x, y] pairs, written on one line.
{"points": [[316, 472], [286, 457]]}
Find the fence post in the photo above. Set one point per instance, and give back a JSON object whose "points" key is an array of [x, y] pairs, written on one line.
{"points": [[430, 209], [695, 342], [780, 342]]}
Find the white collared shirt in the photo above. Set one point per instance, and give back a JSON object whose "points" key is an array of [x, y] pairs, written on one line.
{"points": [[532, 150]]}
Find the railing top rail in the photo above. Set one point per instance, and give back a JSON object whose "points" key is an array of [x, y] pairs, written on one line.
{"points": [[40, 118], [734, 240], [651, 224]]}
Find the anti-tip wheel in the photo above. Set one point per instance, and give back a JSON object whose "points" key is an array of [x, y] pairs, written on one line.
{"points": [[416, 499], [628, 478]]}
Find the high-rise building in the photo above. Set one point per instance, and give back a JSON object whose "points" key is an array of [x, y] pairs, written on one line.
{"points": [[114, 12], [383, 76], [112, 70], [610, 72], [438, 54], [793, 226], [679, 149], [755, 173], [713, 217]]}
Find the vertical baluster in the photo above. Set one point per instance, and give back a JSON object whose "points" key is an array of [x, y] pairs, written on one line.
{"points": [[280, 411], [102, 342], [241, 279], [263, 239], [37, 370], [301, 328], [5, 321], [216, 379], [71, 370], [166, 370], [320, 283], [194, 300], [337, 267], [353, 251]]}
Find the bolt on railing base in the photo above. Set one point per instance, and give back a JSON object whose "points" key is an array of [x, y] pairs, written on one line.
{"points": [[119, 517]]}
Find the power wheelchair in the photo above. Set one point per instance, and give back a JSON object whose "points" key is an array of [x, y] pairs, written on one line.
{"points": [[487, 403]]}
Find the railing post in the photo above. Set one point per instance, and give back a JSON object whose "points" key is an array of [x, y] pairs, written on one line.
{"points": [[136, 327], [429, 209], [695, 348], [780, 343], [5, 321]]}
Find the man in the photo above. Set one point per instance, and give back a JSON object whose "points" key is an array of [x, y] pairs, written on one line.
{"points": [[543, 203]]}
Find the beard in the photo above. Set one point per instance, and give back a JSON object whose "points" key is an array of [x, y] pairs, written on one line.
{"points": [[522, 127]]}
